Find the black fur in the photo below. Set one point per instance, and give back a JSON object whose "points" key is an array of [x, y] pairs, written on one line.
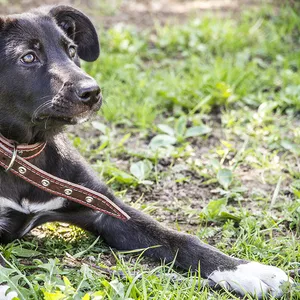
{"points": [[37, 100]]}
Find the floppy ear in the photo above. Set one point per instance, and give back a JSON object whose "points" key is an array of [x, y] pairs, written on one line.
{"points": [[80, 29]]}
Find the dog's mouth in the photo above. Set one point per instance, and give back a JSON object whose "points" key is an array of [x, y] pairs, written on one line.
{"points": [[64, 112], [63, 119], [60, 119]]}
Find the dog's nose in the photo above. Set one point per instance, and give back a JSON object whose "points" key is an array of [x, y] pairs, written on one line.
{"points": [[89, 93]]}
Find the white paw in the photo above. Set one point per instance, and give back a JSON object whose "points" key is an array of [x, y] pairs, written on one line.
{"points": [[253, 278], [7, 296]]}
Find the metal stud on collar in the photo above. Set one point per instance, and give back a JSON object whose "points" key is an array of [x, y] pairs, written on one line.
{"points": [[45, 182], [22, 170], [68, 191], [89, 199]]}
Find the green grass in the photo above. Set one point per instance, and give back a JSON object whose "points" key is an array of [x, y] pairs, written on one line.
{"points": [[200, 128]]}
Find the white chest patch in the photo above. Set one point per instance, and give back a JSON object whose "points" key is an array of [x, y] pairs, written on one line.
{"points": [[27, 208], [252, 278]]}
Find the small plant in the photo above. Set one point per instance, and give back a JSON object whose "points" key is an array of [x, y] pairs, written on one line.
{"points": [[217, 210], [225, 177], [140, 172], [178, 134]]}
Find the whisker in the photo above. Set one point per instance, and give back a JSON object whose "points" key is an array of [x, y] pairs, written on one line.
{"points": [[46, 122], [40, 108]]}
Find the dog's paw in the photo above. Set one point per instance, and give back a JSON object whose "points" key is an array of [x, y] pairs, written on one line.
{"points": [[4, 295], [252, 278]]}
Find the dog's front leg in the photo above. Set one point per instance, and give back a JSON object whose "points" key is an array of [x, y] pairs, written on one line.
{"points": [[188, 252], [141, 232]]}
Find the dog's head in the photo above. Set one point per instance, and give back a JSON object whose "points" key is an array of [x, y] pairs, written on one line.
{"points": [[42, 86]]}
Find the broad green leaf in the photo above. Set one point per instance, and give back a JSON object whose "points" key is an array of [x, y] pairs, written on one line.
{"points": [[100, 126], [141, 169], [117, 174], [120, 175], [197, 130], [225, 177], [51, 266], [162, 140], [288, 145], [180, 126], [224, 215], [21, 252], [5, 274], [118, 287], [214, 208], [166, 129]]}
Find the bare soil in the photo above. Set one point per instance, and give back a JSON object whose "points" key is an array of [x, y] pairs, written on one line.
{"points": [[142, 13]]}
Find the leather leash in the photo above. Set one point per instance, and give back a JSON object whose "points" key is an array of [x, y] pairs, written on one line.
{"points": [[14, 158]]}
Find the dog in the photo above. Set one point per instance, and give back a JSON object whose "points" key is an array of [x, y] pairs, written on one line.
{"points": [[43, 89]]}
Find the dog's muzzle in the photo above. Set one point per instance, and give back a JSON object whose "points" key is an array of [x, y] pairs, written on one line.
{"points": [[72, 104]]}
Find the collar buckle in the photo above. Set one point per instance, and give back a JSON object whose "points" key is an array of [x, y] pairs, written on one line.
{"points": [[13, 158]]}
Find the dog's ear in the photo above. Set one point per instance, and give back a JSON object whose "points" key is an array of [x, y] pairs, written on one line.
{"points": [[80, 29]]}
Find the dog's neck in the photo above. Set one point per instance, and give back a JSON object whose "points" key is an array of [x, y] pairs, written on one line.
{"points": [[29, 135], [13, 143]]}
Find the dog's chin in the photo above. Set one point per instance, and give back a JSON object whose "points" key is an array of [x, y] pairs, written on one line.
{"points": [[81, 118], [61, 120]]}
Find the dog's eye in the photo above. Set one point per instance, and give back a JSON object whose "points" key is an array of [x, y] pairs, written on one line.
{"points": [[72, 51], [29, 58]]}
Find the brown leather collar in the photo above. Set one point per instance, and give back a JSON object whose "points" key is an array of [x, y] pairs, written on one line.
{"points": [[14, 158], [23, 150]]}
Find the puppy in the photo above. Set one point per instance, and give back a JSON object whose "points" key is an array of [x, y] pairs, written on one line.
{"points": [[42, 89]]}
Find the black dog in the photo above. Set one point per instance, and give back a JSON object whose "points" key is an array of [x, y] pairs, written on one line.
{"points": [[42, 89]]}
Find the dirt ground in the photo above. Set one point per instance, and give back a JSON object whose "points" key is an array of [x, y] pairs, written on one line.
{"points": [[143, 13]]}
